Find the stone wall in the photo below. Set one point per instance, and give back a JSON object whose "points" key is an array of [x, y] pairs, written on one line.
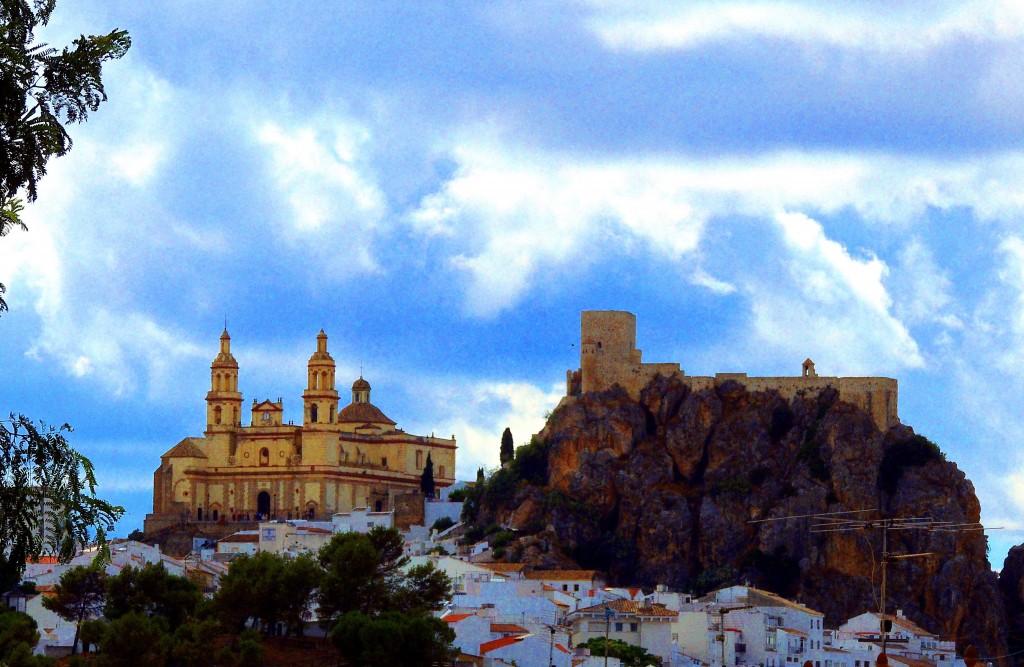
{"points": [[608, 357], [409, 510]]}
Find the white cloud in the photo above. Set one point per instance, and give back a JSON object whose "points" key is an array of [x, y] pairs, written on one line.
{"points": [[910, 28], [513, 219], [922, 290], [337, 209], [477, 412]]}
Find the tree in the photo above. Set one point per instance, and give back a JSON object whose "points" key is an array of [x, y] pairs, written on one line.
{"points": [[364, 573], [268, 588], [16, 628], [427, 478], [393, 639], [152, 591], [135, 639], [630, 655], [508, 449], [78, 596], [43, 479], [41, 89]]}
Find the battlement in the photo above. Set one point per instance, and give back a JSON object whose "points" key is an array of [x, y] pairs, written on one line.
{"points": [[609, 357]]}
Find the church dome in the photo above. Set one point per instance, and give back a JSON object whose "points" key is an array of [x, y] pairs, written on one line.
{"points": [[363, 413]]}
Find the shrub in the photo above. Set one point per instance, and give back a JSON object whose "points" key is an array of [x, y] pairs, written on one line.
{"points": [[442, 524], [457, 496], [914, 452]]}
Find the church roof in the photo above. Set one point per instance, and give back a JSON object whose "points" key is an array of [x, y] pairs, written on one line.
{"points": [[187, 448], [363, 413], [360, 385]]}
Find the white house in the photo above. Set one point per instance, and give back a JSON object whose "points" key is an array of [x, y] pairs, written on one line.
{"points": [[640, 623]]}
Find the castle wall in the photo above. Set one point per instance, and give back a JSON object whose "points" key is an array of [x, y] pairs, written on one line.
{"points": [[608, 357]]}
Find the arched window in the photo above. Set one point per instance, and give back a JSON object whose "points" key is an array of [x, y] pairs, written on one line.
{"points": [[333, 410], [234, 416], [440, 471], [312, 413], [419, 458], [216, 414], [264, 457]]}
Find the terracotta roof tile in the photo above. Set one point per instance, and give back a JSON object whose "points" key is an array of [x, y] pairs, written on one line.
{"points": [[455, 618], [509, 627], [187, 448], [363, 413], [561, 575], [631, 607], [487, 647]]}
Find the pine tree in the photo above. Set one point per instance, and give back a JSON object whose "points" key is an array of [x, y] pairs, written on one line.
{"points": [[507, 447], [427, 478]]}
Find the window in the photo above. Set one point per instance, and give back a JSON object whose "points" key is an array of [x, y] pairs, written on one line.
{"points": [[632, 627], [264, 457], [565, 587], [576, 588], [419, 458], [312, 413], [216, 415], [440, 471], [618, 627], [384, 461]]}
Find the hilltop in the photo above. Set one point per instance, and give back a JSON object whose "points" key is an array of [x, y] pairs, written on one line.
{"points": [[660, 489]]}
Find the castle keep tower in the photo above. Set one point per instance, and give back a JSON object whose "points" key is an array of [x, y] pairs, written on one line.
{"points": [[609, 357], [223, 401], [320, 400]]}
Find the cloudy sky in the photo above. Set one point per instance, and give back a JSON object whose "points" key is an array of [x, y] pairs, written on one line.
{"points": [[443, 187]]}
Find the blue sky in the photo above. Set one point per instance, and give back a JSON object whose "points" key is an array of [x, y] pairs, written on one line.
{"points": [[443, 187]]}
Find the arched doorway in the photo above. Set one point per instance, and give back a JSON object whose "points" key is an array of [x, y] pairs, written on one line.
{"points": [[263, 503]]}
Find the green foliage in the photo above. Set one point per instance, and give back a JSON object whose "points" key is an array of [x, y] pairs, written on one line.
{"points": [[501, 539], [16, 629], [393, 639], [712, 579], [917, 451], [92, 633], [507, 452], [134, 639], [442, 524], [582, 512], [427, 478], [151, 590], [42, 88], [78, 596], [498, 553], [630, 655], [20, 655], [457, 496], [37, 466], [531, 463], [364, 573], [267, 588], [192, 642]]}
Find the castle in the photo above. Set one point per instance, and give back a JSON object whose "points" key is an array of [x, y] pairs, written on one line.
{"points": [[336, 460], [608, 356]]}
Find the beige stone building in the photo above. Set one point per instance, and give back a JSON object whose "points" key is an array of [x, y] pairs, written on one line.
{"points": [[609, 356], [334, 461]]}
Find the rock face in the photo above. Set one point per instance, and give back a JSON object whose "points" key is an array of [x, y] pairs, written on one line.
{"points": [[662, 490], [1011, 585]]}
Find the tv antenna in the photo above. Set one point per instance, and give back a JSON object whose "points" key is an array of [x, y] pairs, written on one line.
{"points": [[872, 519]]}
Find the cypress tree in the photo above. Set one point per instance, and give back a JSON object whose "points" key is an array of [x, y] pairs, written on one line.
{"points": [[507, 452], [427, 478]]}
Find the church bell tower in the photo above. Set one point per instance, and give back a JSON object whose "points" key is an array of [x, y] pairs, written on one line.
{"points": [[320, 400], [223, 401]]}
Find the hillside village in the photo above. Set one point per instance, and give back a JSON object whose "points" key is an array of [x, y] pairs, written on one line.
{"points": [[507, 614]]}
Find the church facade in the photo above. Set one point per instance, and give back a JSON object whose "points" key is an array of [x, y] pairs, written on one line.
{"points": [[335, 461]]}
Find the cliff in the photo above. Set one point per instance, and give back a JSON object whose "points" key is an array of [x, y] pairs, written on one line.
{"points": [[662, 490]]}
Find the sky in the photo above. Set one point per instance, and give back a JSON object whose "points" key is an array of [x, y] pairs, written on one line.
{"points": [[443, 187]]}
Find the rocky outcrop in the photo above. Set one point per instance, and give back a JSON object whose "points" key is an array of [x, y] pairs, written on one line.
{"points": [[1011, 585], [664, 489]]}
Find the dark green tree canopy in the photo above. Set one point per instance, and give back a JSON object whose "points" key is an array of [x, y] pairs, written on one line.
{"points": [[42, 88], [153, 591], [38, 468], [427, 478], [508, 449], [78, 596]]}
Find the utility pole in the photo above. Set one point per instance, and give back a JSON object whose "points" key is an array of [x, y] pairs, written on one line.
{"points": [[551, 650], [608, 613], [848, 521]]}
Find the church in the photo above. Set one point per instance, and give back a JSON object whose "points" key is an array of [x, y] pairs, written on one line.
{"points": [[336, 460]]}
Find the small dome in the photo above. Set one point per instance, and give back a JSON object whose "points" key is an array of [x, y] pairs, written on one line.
{"points": [[360, 385]]}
